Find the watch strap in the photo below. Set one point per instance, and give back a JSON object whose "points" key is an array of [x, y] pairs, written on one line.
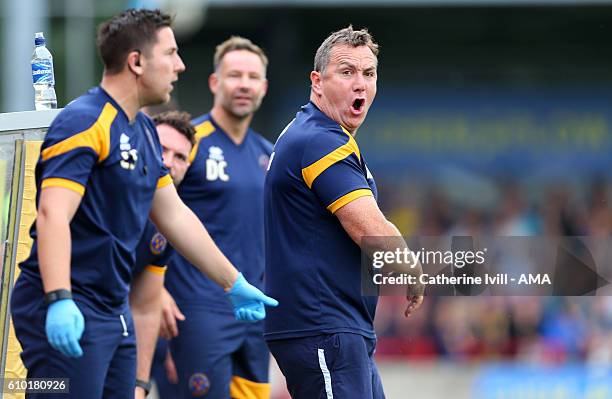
{"points": [[146, 385], [57, 295]]}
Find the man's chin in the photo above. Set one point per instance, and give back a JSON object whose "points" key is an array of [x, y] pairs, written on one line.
{"points": [[355, 122], [242, 113], [152, 102], [165, 99]]}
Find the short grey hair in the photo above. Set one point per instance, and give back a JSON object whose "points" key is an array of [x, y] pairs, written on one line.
{"points": [[347, 36]]}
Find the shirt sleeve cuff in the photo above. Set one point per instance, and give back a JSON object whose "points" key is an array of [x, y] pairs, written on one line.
{"points": [[348, 198], [65, 183], [164, 181], [161, 270]]}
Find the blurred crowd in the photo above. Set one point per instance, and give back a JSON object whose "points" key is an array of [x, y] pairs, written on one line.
{"points": [[544, 330]]}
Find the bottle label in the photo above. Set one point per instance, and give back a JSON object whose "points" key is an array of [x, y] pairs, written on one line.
{"points": [[42, 73]]}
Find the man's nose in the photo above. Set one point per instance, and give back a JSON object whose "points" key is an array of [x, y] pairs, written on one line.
{"points": [[179, 65], [359, 82], [244, 83]]}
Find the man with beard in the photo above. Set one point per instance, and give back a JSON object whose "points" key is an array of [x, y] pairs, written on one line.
{"points": [[214, 354], [99, 177], [176, 136]]}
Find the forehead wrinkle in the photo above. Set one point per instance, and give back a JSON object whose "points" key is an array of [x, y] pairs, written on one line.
{"points": [[354, 61], [358, 66]]}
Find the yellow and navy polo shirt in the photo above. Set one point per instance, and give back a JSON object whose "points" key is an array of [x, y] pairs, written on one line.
{"points": [[92, 148], [312, 264]]}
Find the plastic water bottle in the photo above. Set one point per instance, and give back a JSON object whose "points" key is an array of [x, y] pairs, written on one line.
{"points": [[42, 75]]}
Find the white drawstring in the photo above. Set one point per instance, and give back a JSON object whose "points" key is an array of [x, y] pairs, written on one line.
{"points": [[125, 332]]}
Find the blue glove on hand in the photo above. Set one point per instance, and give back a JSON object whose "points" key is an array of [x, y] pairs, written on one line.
{"points": [[248, 301], [64, 327]]}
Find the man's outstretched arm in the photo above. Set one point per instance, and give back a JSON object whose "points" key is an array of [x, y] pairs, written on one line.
{"points": [[185, 232]]}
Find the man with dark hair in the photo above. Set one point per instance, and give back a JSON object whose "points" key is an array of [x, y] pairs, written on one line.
{"points": [[320, 201], [99, 177], [176, 136], [224, 187], [132, 30]]}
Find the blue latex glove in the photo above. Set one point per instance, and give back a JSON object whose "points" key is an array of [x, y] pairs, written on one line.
{"points": [[64, 327], [248, 301]]}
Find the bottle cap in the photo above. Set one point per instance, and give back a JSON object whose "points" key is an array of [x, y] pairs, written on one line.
{"points": [[39, 38]]}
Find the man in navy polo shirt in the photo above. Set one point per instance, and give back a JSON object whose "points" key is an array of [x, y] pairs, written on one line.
{"points": [[224, 187], [320, 200], [99, 177], [153, 253]]}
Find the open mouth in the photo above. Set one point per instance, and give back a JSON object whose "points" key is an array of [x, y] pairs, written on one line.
{"points": [[358, 104]]}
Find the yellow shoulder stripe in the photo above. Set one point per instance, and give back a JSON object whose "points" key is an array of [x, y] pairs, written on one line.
{"points": [[164, 181], [204, 129], [241, 388], [311, 172], [65, 183], [160, 270], [350, 197], [353, 142], [96, 137]]}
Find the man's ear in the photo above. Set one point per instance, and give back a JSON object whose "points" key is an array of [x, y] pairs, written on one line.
{"points": [[315, 82], [213, 82], [133, 62]]}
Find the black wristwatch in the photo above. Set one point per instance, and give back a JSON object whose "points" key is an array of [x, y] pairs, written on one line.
{"points": [[57, 295], [146, 385]]}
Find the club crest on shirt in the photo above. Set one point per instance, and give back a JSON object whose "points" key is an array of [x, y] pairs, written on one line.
{"points": [[129, 155], [199, 384], [264, 160], [215, 153], [158, 244], [216, 166]]}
